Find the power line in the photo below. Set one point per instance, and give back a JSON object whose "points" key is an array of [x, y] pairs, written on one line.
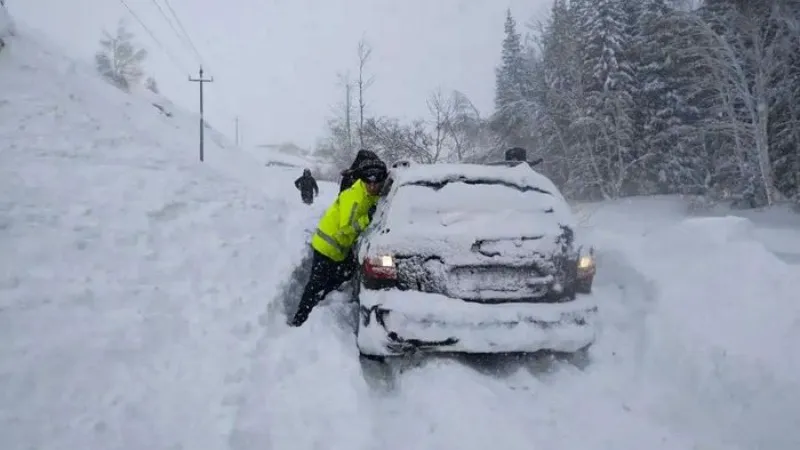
{"points": [[172, 57], [181, 37], [188, 38], [185, 38], [180, 24]]}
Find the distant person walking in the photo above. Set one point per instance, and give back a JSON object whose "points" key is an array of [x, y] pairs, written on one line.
{"points": [[307, 186]]}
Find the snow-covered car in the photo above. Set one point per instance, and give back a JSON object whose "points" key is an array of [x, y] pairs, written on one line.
{"points": [[475, 259]]}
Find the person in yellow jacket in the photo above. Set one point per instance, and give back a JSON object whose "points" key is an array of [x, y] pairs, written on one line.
{"points": [[336, 232]]}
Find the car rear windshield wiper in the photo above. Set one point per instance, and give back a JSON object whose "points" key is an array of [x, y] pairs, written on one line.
{"points": [[436, 185]]}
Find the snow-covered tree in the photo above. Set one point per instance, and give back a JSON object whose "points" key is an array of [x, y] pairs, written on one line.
{"points": [[663, 101], [559, 93], [363, 83], [151, 85], [512, 117], [468, 129], [743, 62], [609, 77], [119, 60]]}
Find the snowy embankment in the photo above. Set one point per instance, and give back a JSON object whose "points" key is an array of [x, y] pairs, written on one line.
{"points": [[686, 359], [674, 368], [131, 276], [714, 348]]}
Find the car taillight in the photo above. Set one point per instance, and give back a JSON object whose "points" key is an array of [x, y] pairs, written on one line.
{"points": [[380, 267], [586, 267]]}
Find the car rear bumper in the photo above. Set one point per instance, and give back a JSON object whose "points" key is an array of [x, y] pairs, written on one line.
{"points": [[395, 322]]}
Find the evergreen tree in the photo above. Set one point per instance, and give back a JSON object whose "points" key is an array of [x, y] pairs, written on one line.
{"points": [[119, 61], [561, 93], [610, 82], [151, 85], [662, 105], [512, 90]]}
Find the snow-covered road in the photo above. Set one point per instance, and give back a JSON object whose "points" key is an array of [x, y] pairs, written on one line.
{"points": [[142, 301], [646, 387]]}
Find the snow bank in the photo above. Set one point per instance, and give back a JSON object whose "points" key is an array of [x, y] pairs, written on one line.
{"points": [[724, 329], [778, 228], [747, 295], [131, 276], [699, 315], [307, 388]]}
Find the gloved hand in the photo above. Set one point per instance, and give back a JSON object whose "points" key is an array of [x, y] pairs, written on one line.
{"points": [[371, 212]]}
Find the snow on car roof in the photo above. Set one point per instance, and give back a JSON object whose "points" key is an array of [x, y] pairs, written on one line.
{"points": [[454, 204], [522, 175], [440, 209]]}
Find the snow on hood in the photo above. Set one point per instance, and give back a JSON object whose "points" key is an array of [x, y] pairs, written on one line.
{"points": [[445, 209]]}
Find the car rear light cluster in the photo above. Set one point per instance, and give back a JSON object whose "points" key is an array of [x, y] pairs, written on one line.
{"points": [[586, 267], [380, 267]]}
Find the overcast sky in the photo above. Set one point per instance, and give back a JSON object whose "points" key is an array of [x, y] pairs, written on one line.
{"points": [[275, 62]]}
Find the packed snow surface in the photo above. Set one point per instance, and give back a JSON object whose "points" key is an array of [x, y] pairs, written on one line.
{"points": [[143, 299], [132, 277]]}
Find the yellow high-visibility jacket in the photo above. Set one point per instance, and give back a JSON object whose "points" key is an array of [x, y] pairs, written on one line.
{"points": [[344, 220]]}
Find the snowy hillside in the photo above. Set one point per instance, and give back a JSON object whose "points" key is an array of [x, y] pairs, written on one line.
{"points": [[132, 278], [142, 297]]}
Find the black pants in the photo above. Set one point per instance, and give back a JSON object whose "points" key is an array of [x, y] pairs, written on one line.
{"points": [[326, 275], [307, 198]]}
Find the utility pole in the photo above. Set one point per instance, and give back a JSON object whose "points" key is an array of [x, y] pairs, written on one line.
{"points": [[237, 131], [201, 80]]}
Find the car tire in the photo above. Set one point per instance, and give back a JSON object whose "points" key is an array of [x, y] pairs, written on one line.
{"points": [[583, 287], [580, 358]]}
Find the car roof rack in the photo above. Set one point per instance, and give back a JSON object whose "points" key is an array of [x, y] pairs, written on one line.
{"points": [[513, 163]]}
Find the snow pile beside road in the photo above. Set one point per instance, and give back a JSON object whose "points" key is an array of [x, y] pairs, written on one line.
{"points": [[131, 276], [306, 388], [724, 330]]}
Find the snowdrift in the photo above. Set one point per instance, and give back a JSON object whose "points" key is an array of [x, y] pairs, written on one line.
{"points": [[725, 327], [707, 320], [131, 276]]}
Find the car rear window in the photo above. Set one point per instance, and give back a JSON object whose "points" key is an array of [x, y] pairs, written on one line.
{"points": [[442, 203]]}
